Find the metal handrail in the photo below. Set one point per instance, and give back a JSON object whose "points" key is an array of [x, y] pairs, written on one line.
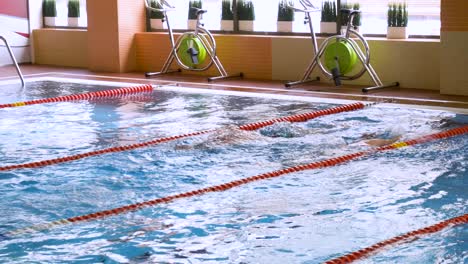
{"points": [[14, 60]]}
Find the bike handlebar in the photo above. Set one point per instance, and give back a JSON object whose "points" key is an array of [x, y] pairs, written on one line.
{"points": [[308, 7], [166, 6]]}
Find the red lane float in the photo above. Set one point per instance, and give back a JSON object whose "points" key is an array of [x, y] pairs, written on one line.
{"points": [[408, 237], [226, 186], [294, 118], [85, 96], [304, 117]]}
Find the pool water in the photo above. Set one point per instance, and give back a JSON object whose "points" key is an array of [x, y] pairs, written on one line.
{"points": [[305, 217]]}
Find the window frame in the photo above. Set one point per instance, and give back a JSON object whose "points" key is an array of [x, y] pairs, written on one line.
{"points": [[236, 30]]}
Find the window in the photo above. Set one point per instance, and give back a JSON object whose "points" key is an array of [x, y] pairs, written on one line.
{"points": [[424, 16], [62, 14]]}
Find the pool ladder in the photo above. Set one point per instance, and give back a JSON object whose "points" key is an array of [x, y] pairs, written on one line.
{"points": [[12, 56]]}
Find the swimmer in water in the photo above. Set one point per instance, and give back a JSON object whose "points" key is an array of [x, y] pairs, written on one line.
{"points": [[229, 135], [371, 139]]}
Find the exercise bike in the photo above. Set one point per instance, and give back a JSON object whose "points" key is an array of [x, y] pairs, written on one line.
{"points": [[192, 49], [340, 53]]}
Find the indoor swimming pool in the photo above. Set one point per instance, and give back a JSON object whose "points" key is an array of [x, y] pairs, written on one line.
{"points": [[308, 216]]}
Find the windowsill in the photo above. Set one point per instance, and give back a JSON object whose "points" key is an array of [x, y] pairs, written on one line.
{"points": [[279, 35]]}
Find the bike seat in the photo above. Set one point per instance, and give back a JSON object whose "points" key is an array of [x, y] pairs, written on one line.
{"points": [[199, 11], [349, 11]]}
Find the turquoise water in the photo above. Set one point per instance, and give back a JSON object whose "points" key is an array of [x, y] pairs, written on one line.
{"points": [[305, 217]]}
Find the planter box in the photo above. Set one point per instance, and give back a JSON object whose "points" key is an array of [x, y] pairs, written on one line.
{"points": [[284, 26], [192, 24], [156, 23], [328, 27], [397, 33], [73, 21], [246, 25], [227, 25], [50, 21]]}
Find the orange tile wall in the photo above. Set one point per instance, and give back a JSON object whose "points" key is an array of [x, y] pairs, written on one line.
{"points": [[454, 15], [248, 54], [112, 25]]}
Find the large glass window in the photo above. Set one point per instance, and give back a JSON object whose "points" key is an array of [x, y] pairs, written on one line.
{"points": [[62, 14], [424, 16]]}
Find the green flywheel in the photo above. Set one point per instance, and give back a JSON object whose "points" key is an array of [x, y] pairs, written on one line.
{"points": [[191, 51], [344, 53]]}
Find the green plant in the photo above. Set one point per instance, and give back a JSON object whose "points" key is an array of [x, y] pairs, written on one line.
{"points": [[397, 15], [245, 10], [226, 12], [328, 11], [285, 12], [345, 17], [49, 8], [156, 14], [73, 8], [192, 14], [357, 17]]}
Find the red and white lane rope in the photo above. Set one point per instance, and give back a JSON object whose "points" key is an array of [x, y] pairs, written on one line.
{"points": [[408, 237], [254, 126], [85, 96], [226, 186]]}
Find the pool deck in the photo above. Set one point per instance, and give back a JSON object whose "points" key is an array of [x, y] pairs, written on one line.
{"points": [[420, 97]]}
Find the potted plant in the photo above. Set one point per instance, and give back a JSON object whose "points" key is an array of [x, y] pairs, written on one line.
{"points": [[156, 17], [192, 14], [357, 18], [49, 12], [73, 12], [245, 14], [285, 16], [329, 17], [227, 16], [397, 20], [345, 17]]}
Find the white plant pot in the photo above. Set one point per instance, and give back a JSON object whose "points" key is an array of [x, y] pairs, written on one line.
{"points": [[246, 25], [397, 33], [156, 23], [284, 26], [73, 21], [50, 21], [343, 29], [227, 25], [192, 24], [328, 27]]}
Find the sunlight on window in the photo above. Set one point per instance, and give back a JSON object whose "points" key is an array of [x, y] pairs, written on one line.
{"points": [[62, 14], [212, 19], [424, 16]]}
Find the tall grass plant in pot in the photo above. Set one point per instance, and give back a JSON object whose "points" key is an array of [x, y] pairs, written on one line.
{"points": [[285, 16], [227, 16], [397, 20], [156, 17], [49, 12], [328, 17], [192, 14], [345, 17], [73, 13], [245, 14]]}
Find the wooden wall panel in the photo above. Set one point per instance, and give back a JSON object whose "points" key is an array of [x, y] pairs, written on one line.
{"points": [[61, 47], [131, 20], [248, 54], [103, 36], [454, 15]]}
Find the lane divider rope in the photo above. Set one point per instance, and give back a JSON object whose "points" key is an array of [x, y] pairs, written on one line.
{"points": [[254, 126], [226, 186], [85, 96], [408, 237]]}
